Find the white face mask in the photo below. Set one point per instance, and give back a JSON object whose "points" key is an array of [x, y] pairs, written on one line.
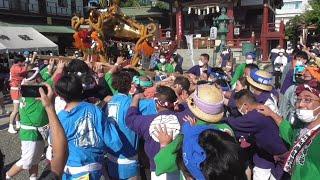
{"points": [[251, 89], [201, 63], [306, 115], [162, 60], [240, 110], [280, 54], [299, 63], [249, 61]]}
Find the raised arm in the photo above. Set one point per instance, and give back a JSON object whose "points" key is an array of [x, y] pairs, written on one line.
{"points": [[59, 142], [116, 66], [266, 111], [134, 119]]}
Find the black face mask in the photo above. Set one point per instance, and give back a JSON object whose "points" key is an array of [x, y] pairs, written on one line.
{"points": [[299, 79]]}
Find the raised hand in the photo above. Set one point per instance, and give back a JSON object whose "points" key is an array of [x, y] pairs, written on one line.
{"points": [[46, 99], [163, 136], [190, 119]]}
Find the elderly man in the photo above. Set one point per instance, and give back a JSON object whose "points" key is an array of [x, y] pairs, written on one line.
{"points": [[303, 158]]}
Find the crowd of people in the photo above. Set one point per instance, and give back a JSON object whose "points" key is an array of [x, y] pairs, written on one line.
{"points": [[122, 122]]}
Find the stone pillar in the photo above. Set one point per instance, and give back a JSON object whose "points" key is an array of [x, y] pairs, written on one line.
{"points": [[231, 24], [264, 31]]}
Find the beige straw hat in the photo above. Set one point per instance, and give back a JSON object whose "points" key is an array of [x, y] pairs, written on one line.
{"points": [[206, 103]]}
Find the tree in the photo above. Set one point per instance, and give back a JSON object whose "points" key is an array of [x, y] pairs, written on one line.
{"points": [[162, 5], [310, 17], [293, 28], [132, 3]]}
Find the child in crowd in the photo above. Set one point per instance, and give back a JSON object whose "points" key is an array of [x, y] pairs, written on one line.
{"points": [[89, 133]]}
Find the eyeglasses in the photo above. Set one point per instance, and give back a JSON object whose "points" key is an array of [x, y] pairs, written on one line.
{"points": [[306, 100]]}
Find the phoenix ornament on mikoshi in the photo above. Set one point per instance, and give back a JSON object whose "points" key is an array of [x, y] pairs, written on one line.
{"points": [[112, 24]]}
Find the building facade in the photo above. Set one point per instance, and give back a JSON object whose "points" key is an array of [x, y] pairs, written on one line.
{"points": [[290, 9], [250, 22], [50, 17]]}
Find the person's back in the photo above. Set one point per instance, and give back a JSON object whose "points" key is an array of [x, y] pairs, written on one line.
{"points": [[274, 53], [287, 104], [16, 75], [81, 125], [117, 110], [33, 114], [87, 129]]}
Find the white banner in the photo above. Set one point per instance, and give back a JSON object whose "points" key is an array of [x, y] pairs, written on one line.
{"points": [[189, 39]]}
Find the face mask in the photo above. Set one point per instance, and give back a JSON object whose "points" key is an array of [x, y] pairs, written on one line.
{"points": [[306, 115], [133, 90], [251, 89], [299, 80], [299, 63], [201, 63], [249, 61], [162, 60], [280, 54], [240, 110]]}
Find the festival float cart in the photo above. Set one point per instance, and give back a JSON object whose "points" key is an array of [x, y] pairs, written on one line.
{"points": [[110, 28]]}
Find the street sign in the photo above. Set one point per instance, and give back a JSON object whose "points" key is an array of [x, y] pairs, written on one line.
{"points": [[213, 32]]}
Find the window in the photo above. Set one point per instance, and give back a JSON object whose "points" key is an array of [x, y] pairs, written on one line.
{"points": [[298, 5], [63, 3], [292, 5]]}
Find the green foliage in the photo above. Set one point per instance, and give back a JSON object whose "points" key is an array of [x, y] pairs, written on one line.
{"points": [[162, 5], [310, 17], [293, 28], [132, 3], [313, 16]]}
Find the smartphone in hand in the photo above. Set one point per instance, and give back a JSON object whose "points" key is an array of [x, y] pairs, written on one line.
{"points": [[32, 90]]}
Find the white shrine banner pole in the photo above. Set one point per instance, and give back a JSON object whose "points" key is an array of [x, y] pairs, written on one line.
{"points": [[189, 39]]}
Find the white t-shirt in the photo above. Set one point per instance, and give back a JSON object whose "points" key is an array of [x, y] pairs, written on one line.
{"points": [[283, 60], [59, 104]]}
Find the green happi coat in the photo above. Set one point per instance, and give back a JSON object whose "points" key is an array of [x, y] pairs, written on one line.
{"points": [[307, 164]]}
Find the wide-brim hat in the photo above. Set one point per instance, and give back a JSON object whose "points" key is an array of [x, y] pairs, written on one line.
{"points": [[261, 80], [252, 54], [206, 103]]}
